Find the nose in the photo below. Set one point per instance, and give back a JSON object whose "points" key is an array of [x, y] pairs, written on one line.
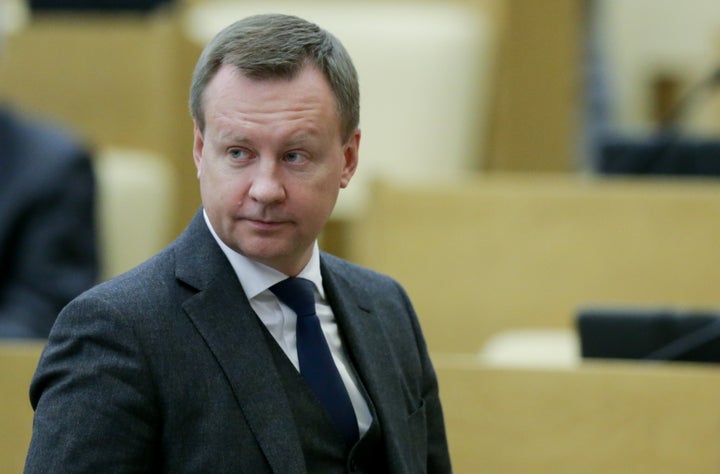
{"points": [[266, 186]]}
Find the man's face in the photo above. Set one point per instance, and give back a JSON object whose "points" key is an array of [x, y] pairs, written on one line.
{"points": [[271, 163]]}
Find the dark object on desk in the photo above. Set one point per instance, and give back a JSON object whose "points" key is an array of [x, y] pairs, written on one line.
{"points": [[649, 334], [96, 5], [669, 155]]}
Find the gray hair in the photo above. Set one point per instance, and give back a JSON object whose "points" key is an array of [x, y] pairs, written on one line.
{"points": [[272, 46]]}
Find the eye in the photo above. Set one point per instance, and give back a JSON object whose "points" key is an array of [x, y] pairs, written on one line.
{"points": [[239, 154], [295, 157]]}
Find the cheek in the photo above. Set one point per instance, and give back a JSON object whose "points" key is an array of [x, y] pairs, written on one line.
{"points": [[220, 188], [318, 197]]}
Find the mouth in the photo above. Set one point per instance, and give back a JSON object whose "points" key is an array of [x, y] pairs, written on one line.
{"points": [[265, 224]]}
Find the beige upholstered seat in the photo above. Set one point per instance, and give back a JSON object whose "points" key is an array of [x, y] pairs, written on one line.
{"points": [[136, 206]]}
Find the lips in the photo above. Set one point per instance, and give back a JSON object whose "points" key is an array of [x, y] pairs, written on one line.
{"points": [[266, 224]]}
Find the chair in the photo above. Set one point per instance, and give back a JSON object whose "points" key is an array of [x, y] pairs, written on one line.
{"points": [[424, 79], [115, 78], [136, 207]]}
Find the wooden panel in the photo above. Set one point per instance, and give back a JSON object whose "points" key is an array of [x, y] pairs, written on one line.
{"points": [[102, 74], [592, 419], [537, 87], [496, 253], [17, 365]]}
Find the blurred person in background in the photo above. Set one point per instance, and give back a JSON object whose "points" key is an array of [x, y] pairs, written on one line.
{"points": [[48, 249], [97, 5]]}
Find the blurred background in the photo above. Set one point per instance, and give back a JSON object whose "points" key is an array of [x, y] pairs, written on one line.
{"points": [[521, 161], [449, 88]]}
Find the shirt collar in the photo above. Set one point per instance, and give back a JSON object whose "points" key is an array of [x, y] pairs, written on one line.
{"points": [[255, 277]]}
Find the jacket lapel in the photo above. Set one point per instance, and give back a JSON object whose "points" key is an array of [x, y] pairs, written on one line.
{"points": [[364, 337], [223, 316]]}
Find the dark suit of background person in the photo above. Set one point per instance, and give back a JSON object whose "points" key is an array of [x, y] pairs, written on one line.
{"points": [[48, 250], [38, 6], [169, 368]]}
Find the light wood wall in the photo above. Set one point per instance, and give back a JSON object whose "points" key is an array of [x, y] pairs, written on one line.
{"points": [[494, 253], [538, 88]]}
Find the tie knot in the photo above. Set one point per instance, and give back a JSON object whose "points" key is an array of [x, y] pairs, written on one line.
{"points": [[298, 294]]}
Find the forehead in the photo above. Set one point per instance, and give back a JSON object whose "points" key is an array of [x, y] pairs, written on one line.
{"points": [[232, 95], [307, 80]]}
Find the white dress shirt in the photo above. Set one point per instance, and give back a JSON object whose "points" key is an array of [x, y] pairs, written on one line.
{"points": [[256, 280]]}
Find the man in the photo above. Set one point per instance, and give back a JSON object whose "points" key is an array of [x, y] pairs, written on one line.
{"points": [[189, 363], [48, 251], [48, 248]]}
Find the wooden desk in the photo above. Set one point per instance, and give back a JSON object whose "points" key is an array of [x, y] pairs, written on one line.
{"points": [[17, 365], [599, 418]]}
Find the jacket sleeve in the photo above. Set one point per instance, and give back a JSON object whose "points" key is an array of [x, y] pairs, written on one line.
{"points": [[95, 408]]}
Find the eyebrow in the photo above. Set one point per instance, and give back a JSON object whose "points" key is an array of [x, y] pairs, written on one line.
{"points": [[233, 136], [301, 139]]}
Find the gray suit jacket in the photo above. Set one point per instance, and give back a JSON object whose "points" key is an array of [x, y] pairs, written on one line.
{"points": [[165, 369]]}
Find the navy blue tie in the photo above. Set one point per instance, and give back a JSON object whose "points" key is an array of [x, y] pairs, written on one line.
{"points": [[316, 363]]}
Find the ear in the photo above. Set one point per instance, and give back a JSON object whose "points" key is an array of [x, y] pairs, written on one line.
{"points": [[350, 158], [198, 143]]}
